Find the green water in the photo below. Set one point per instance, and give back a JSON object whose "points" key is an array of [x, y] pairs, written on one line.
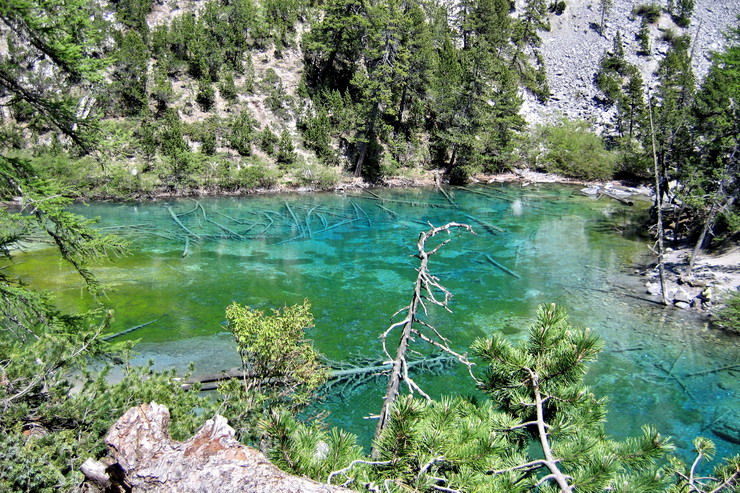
{"points": [[352, 259]]}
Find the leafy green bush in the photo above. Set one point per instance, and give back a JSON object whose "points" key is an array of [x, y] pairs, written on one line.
{"points": [[256, 175], [728, 318], [227, 87], [648, 11], [573, 150], [557, 7], [319, 176], [316, 129], [643, 37]]}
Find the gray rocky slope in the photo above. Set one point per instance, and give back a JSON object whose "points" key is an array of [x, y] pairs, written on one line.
{"points": [[573, 48]]}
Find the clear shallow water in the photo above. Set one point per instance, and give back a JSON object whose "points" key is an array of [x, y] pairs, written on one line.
{"points": [[351, 258]]}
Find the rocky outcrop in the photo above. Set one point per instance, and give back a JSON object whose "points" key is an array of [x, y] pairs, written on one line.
{"points": [[143, 458], [573, 48]]}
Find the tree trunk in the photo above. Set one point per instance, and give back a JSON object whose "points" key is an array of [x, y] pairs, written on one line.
{"points": [[707, 226], [659, 208], [363, 145]]}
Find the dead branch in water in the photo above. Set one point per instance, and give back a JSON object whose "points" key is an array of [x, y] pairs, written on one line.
{"points": [[426, 289]]}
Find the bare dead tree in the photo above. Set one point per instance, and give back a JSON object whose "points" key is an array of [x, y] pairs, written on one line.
{"points": [[426, 289], [658, 207]]}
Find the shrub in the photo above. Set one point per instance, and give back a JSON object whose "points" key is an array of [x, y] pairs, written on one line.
{"points": [[643, 37], [286, 151], [242, 133], [322, 177], [573, 150], [268, 141], [256, 175], [206, 96], [650, 12], [728, 318], [557, 7], [227, 87]]}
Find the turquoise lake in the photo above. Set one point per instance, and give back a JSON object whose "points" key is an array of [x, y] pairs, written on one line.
{"points": [[350, 254]]}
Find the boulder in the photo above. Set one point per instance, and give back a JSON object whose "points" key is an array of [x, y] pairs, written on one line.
{"points": [[145, 459]]}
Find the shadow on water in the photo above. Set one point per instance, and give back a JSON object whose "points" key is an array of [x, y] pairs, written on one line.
{"points": [[351, 255]]}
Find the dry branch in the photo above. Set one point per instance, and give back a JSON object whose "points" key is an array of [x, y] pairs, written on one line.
{"points": [[427, 288]]}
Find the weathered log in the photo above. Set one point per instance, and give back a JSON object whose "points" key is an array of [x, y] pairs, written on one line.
{"points": [[337, 375], [96, 472], [491, 228], [127, 331], [231, 232], [392, 213], [212, 460], [404, 202], [187, 247], [502, 267], [359, 210], [295, 219], [618, 199], [179, 223], [713, 370], [329, 228]]}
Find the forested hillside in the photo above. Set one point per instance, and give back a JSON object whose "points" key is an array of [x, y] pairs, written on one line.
{"points": [[235, 96], [136, 98]]}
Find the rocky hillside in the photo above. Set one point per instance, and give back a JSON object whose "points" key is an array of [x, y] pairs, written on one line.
{"points": [[573, 48]]}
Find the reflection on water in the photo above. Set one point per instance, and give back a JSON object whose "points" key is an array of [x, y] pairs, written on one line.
{"points": [[350, 255]]}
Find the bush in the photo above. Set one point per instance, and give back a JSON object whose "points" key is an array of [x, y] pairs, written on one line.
{"points": [[649, 12], [728, 318], [573, 150], [268, 141], [322, 177], [242, 133], [257, 175], [557, 8], [286, 151], [206, 96]]}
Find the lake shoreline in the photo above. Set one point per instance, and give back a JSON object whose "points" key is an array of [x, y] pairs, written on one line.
{"points": [[427, 179]]}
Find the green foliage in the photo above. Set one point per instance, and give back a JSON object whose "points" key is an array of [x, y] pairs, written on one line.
{"points": [[130, 74], [316, 129], [242, 133], [681, 11], [133, 13], [276, 357], [461, 444], [268, 141], [557, 7], [572, 149], [170, 138], [728, 318], [206, 96], [650, 12], [227, 87], [643, 37], [286, 155]]}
